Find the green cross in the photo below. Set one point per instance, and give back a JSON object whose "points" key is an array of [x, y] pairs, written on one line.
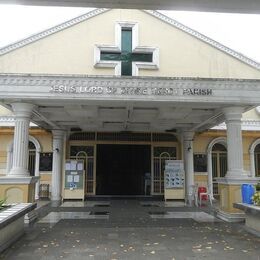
{"points": [[126, 56]]}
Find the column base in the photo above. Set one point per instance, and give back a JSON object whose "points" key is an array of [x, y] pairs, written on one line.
{"points": [[56, 203], [238, 174], [231, 217], [230, 193], [18, 189], [18, 172]]}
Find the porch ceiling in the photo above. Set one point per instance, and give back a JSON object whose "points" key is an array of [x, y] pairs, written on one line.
{"points": [[125, 116], [229, 6]]}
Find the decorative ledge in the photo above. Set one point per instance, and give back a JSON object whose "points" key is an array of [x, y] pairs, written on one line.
{"points": [[248, 208], [15, 212], [252, 217], [12, 223], [18, 180], [238, 181]]}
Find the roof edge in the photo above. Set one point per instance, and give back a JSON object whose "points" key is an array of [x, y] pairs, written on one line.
{"points": [[204, 38], [52, 30]]}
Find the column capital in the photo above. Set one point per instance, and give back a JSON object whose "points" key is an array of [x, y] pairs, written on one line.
{"points": [[233, 113], [188, 135], [57, 133], [22, 109]]}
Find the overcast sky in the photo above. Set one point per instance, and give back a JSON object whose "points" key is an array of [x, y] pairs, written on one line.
{"points": [[237, 31]]}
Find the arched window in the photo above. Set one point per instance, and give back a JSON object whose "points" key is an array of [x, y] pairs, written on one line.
{"points": [[219, 164], [31, 158], [257, 160]]}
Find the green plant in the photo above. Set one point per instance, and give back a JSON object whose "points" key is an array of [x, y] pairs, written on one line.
{"points": [[256, 198], [257, 186], [2, 202]]}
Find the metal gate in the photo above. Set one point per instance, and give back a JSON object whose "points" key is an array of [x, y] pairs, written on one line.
{"points": [[219, 168], [85, 153], [160, 155]]}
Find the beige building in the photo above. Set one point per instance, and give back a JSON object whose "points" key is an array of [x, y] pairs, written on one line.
{"points": [[114, 94]]}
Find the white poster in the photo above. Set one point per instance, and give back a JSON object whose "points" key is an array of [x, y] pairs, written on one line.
{"points": [[80, 166], [174, 174], [69, 178], [73, 165], [76, 178], [67, 166]]}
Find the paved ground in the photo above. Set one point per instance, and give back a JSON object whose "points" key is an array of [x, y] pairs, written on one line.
{"points": [[132, 229]]}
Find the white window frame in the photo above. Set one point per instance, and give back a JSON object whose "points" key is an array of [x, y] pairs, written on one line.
{"points": [[154, 65]]}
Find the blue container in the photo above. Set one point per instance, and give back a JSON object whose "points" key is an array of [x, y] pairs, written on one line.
{"points": [[247, 193]]}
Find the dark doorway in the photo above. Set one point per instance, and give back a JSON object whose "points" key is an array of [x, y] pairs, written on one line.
{"points": [[121, 169]]}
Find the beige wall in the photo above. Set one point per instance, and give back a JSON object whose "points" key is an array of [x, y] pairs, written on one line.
{"points": [[251, 114], [202, 140], [4, 111], [71, 51]]}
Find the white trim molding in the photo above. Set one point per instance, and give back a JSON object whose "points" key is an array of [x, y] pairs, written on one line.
{"points": [[18, 180], [52, 30], [98, 63], [247, 125], [204, 38]]}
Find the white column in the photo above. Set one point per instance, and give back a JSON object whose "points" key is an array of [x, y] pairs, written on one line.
{"points": [[9, 160], [209, 169], [233, 117], [57, 164], [22, 112], [188, 164], [37, 174]]}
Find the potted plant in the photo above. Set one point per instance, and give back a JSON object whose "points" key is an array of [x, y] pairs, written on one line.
{"points": [[257, 187], [256, 198], [2, 203]]}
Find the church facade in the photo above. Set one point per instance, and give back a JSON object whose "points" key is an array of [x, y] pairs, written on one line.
{"points": [[115, 94]]}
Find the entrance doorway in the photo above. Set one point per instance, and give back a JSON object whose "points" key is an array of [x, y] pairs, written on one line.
{"points": [[219, 165], [122, 169]]}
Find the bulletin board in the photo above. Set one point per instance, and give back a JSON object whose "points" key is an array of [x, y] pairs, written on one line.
{"points": [[174, 179], [74, 179]]}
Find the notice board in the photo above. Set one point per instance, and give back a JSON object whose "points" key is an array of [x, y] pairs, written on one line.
{"points": [[74, 180], [174, 180]]}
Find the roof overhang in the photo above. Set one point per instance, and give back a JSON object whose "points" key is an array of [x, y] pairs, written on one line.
{"points": [[228, 6], [127, 103]]}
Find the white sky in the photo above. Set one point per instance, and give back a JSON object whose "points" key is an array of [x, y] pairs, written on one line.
{"points": [[237, 31]]}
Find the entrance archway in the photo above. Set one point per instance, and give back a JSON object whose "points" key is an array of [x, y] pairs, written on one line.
{"points": [[220, 141], [254, 152]]}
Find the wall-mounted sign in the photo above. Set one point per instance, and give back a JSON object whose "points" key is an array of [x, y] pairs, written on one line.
{"points": [[45, 162], [131, 91], [200, 162]]}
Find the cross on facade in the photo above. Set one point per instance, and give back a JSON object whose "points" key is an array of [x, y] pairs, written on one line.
{"points": [[126, 55]]}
